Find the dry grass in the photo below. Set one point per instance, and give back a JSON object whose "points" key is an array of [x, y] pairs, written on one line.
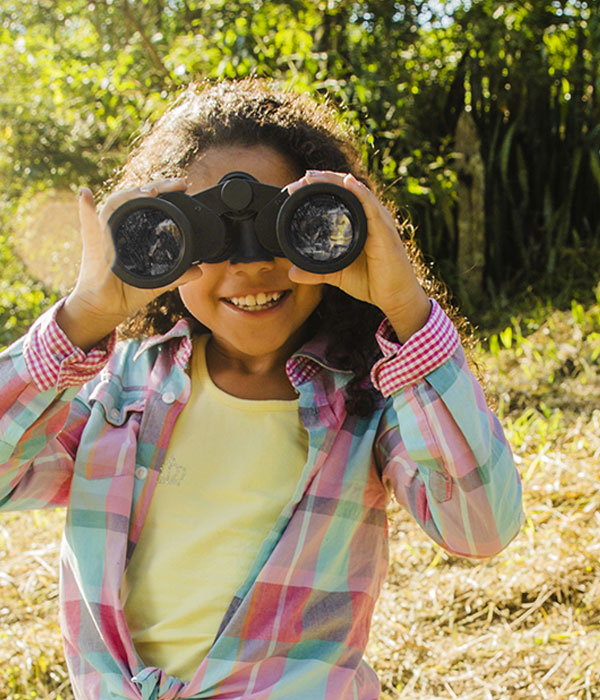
{"points": [[527, 623], [524, 625], [31, 656]]}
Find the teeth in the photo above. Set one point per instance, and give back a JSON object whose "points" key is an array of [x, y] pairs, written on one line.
{"points": [[251, 301]]}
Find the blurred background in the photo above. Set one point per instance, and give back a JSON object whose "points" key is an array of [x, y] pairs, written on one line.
{"points": [[481, 120]]}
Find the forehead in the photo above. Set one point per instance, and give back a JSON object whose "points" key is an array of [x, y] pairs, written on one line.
{"points": [[264, 163]]}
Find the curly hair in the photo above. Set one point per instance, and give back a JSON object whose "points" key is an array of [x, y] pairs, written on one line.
{"points": [[311, 135]]}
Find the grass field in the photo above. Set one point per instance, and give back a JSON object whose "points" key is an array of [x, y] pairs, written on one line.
{"points": [[524, 625]]}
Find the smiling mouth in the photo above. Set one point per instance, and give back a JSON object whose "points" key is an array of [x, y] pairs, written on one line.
{"points": [[259, 302]]}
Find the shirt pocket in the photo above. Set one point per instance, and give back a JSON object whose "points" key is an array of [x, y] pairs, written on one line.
{"points": [[109, 444]]}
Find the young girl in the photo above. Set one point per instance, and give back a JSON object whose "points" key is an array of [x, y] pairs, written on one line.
{"points": [[226, 466]]}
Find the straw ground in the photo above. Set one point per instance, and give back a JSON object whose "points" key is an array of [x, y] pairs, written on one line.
{"points": [[524, 625]]}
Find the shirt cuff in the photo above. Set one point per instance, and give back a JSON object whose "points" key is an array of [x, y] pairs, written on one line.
{"points": [[407, 363], [54, 362]]}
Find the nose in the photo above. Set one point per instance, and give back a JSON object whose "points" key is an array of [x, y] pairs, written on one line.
{"points": [[254, 267]]}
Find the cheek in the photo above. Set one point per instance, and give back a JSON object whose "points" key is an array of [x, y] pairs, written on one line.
{"points": [[314, 292], [195, 299], [311, 297], [203, 289]]}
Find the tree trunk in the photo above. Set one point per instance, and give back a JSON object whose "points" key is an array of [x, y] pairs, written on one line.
{"points": [[471, 210]]}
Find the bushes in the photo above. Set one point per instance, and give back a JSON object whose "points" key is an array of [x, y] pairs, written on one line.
{"points": [[81, 76], [22, 299]]}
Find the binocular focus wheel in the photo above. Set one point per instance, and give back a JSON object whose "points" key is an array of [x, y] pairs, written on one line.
{"points": [[321, 228]]}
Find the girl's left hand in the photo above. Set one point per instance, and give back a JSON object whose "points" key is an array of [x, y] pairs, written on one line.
{"points": [[382, 274]]}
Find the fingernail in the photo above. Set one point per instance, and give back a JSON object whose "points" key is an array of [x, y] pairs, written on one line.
{"points": [[354, 180], [147, 188], [293, 186]]}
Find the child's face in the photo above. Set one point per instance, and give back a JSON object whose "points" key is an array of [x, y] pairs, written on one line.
{"points": [[253, 309]]}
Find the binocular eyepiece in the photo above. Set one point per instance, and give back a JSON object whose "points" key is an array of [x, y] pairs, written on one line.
{"points": [[321, 228]]}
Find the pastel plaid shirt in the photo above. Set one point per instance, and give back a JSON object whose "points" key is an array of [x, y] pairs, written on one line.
{"points": [[90, 433]]}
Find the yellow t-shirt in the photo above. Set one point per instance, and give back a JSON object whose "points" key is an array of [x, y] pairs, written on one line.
{"points": [[231, 467]]}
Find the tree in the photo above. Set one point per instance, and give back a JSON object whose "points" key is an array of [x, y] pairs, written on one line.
{"points": [[81, 76]]}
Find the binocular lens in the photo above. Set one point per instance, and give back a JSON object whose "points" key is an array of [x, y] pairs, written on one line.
{"points": [[321, 229], [148, 243]]}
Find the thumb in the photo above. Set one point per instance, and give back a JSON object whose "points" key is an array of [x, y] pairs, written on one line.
{"points": [[87, 210], [193, 273], [300, 276], [95, 242]]}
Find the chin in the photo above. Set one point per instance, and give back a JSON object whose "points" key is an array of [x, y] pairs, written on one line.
{"points": [[260, 346]]}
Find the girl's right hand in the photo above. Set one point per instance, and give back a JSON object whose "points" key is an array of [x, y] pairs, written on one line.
{"points": [[100, 301]]}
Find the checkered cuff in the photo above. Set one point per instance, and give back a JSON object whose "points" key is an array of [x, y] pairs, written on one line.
{"points": [[54, 362], [407, 363]]}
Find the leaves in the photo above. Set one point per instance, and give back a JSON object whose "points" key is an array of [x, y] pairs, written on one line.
{"points": [[21, 301], [81, 76]]}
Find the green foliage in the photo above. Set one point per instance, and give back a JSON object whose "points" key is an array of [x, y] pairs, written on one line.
{"points": [[21, 299], [81, 76], [529, 80]]}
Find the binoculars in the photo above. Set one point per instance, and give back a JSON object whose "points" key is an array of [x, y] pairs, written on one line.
{"points": [[321, 228]]}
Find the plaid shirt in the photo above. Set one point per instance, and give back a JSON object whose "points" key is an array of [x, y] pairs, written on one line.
{"points": [[89, 432]]}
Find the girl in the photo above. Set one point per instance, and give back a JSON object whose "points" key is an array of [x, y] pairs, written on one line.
{"points": [[226, 466]]}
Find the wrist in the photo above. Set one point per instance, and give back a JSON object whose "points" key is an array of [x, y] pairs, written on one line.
{"points": [[409, 317], [83, 324]]}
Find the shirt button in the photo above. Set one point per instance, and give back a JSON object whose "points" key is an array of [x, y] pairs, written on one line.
{"points": [[114, 413], [168, 397], [141, 473]]}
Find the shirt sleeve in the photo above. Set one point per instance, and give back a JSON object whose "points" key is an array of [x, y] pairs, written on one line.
{"points": [[423, 352], [440, 447], [54, 362], [41, 416]]}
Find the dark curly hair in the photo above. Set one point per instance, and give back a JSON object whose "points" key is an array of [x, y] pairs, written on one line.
{"points": [[311, 135]]}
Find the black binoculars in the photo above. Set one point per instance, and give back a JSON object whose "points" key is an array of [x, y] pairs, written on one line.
{"points": [[321, 228]]}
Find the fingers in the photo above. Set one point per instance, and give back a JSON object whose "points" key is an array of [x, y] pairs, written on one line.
{"points": [[151, 189], [193, 273], [91, 229], [87, 210], [312, 176], [300, 276], [96, 243], [382, 271], [373, 208], [91, 222]]}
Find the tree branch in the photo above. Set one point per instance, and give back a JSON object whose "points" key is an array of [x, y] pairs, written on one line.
{"points": [[152, 52]]}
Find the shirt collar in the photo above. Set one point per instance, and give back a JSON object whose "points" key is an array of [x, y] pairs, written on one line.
{"points": [[300, 367], [308, 360], [182, 349]]}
